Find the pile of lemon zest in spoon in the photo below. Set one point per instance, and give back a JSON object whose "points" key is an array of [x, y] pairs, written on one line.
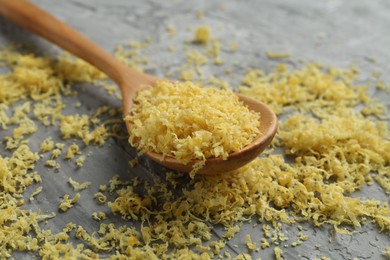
{"points": [[187, 122]]}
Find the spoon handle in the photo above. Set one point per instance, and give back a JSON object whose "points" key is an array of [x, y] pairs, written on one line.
{"points": [[33, 18]]}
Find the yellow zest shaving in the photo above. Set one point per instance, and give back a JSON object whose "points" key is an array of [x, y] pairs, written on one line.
{"points": [[278, 253], [68, 203], [277, 55], [35, 193], [78, 186], [264, 243], [72, 151], [52, 164], [251, 246], [80, 161], [99, 216], [47, 145], [202, 34]]}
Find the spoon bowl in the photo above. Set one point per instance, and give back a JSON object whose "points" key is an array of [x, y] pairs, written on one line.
{"points": [[130, 81], [268, 127]]}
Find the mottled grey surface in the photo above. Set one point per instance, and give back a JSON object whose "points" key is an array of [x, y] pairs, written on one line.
{"points": [[332, 32]]}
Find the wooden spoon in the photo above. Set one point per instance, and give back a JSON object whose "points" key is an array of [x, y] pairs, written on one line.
{"points": [[31, 17]]}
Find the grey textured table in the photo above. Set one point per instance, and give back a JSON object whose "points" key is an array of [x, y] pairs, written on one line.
{"points": [[332, 32]]}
